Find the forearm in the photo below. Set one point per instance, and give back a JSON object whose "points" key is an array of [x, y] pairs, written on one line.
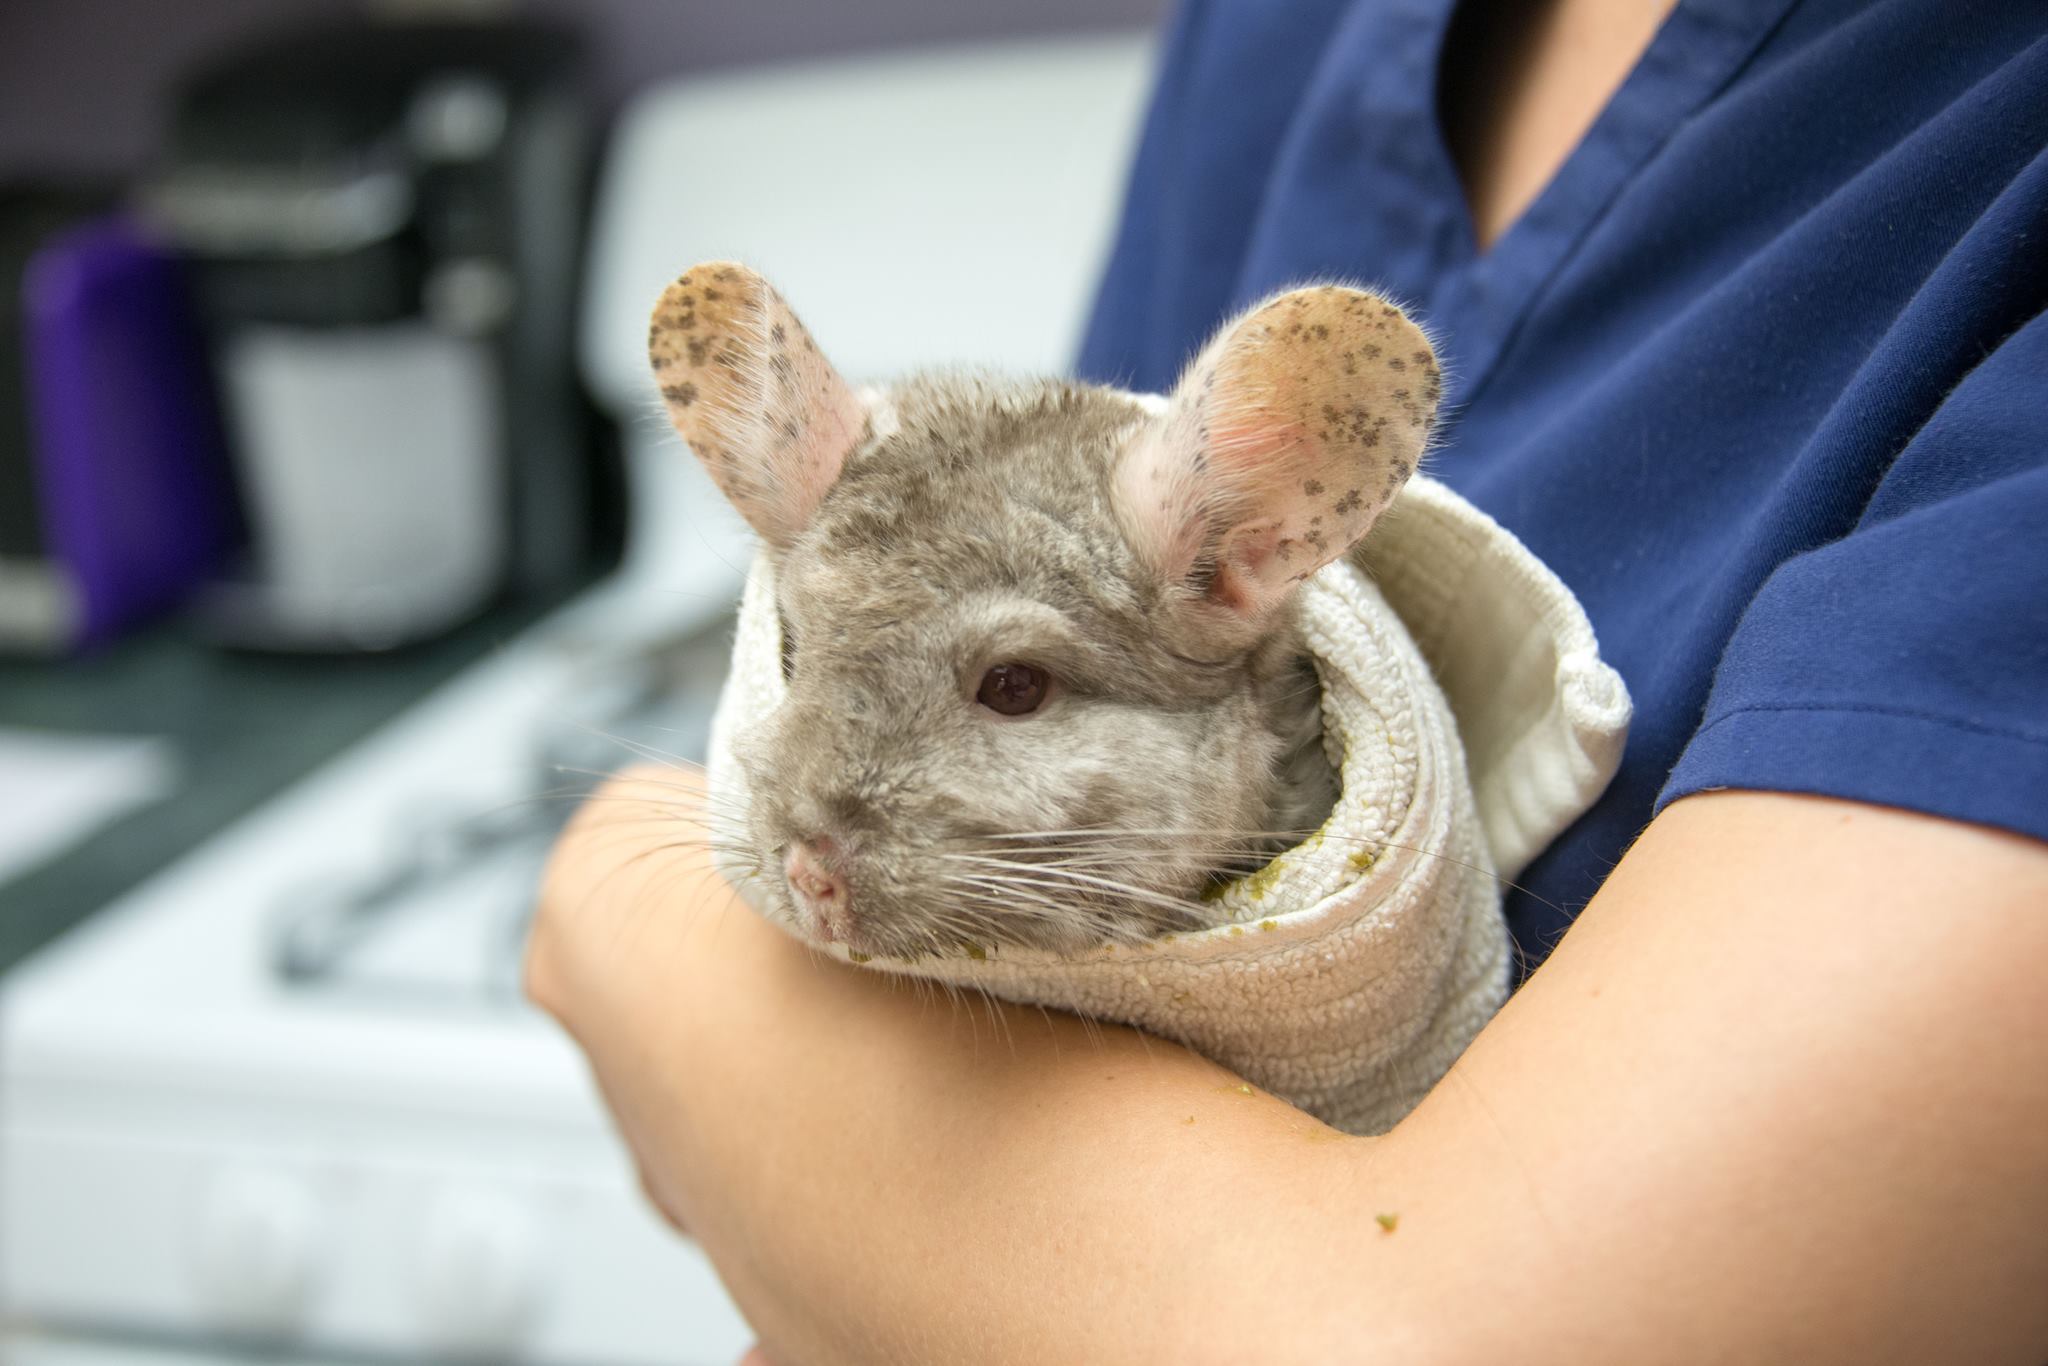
{"points": [[936, 1180], [1760, 1105]]}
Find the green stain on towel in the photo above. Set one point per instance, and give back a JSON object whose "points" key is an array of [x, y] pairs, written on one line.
{"points": [[1361, 859], [1255, 885]]}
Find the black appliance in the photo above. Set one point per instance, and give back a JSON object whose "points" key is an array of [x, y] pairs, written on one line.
{"points": [[384, 227]]}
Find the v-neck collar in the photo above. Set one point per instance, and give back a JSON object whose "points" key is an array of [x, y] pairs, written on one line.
{"points": [[1480, 298]]}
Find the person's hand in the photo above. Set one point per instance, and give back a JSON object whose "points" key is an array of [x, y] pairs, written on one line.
{"points": [[702, 1021], [1777, 1096], [633, 861], [630, 876]]}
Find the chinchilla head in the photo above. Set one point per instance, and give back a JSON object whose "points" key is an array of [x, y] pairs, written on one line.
{"points": [[1043, 678]]}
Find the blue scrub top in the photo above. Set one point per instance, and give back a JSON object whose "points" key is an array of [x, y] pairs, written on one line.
{"points": [[1762, 373]]}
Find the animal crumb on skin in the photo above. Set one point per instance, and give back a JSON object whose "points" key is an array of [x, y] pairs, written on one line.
{"points": [[1189, 1120], [1387, 1222], [857, 956]]}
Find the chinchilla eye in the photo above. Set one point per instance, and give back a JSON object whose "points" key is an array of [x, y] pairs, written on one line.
{"points": [[1013, 689]]}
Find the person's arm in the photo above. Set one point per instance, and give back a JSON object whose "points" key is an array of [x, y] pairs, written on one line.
{"points": [[1780, 1095]]}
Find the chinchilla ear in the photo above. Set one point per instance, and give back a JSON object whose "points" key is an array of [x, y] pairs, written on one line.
{"points": [[749, 390], [1287, 437]]}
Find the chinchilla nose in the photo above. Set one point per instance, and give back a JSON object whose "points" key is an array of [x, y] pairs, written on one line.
{"points": [[811, 865]]}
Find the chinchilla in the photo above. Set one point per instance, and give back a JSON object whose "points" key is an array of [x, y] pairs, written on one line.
{"points": [[1044, 679]]}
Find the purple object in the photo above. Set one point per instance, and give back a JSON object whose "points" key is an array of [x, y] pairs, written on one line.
{"points": [[132, 480]]}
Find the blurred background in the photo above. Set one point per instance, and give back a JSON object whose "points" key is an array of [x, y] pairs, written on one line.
{"points": [[343, 546]]}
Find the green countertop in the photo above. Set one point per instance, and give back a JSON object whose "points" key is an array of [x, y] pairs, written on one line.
{"points": [[244, 725]]}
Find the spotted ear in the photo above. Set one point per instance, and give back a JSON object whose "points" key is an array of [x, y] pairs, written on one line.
{"points": [[749, 390], [1287, 437]]}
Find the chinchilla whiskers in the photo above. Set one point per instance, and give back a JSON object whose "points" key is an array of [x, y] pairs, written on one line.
{"points": [[646, 751], [988, 918], [941, 932], [1112, 857], [1101, 841], [1183, 843], [580, 794], [958, 996], [1310, 689], [1078, 869], [713, 811], [1027, 876], [1001, 906], [713, 836], [1110, 848], [1040, 861], [1013, 900], [678, 772], [1010, 899], [1099, 832], [1216, 842], [1181, 868], [689, 782]]}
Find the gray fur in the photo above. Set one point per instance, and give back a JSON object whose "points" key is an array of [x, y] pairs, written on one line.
{"points": [[982, 531], [1146, 558]]}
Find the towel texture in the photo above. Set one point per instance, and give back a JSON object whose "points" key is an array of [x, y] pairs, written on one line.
{"points": [[1471, 719]]}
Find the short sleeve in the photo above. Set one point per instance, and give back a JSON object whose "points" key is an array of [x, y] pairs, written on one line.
{"points": [[1906, 664]]}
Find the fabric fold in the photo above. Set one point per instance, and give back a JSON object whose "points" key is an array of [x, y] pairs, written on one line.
{"points": [[1470, 718]]}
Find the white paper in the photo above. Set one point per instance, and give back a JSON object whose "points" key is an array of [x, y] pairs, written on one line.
{"points": [[56, 789]]}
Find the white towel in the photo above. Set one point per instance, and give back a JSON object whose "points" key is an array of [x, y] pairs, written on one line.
{"points": [[1471, 718]]}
